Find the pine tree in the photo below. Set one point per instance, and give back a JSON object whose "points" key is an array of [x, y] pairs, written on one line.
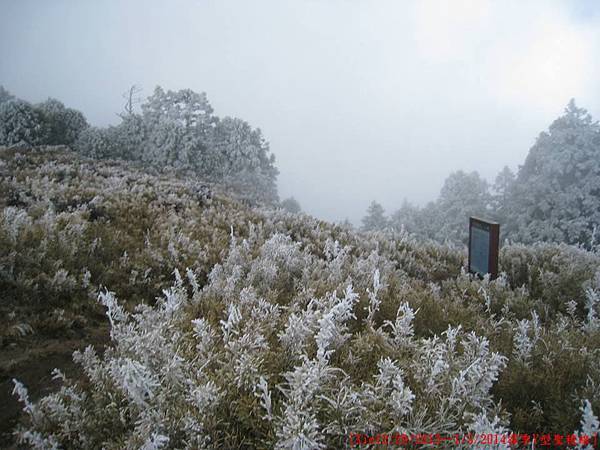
{"points": [[5, 96], [291, 205], [64, 124], [501, 194], [375, 218], [408, 217], [556, 196], [178, 129], [463, 195]]}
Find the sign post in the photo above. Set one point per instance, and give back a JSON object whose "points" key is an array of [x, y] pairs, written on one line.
{"points": [[484, 240]]}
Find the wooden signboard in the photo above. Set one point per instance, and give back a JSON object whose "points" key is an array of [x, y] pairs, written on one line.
{"points": [[484, 240]]}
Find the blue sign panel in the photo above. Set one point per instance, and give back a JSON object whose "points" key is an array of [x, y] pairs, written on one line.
{"points": [[483, 247], [480, 250]]}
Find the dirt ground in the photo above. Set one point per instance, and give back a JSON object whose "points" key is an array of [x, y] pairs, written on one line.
{"points": [[31, 362]]}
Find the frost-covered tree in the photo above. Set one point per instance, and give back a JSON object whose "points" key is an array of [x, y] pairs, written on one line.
{"points": [[243, 155], [5, 96], [178, 129], [168, 145], [501, 194], [131, 137], [238, 145], [98, 143], [21, 122], [346, 224], [408, 217], [185, 107], [463, 195], [291, 205], [132, 98], [182, 131], [375, 218], [64, 124], [556, 195], [178, 124], [46, 123]]}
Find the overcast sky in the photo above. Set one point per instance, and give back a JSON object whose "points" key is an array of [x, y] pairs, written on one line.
{"points": [[360, 100]]}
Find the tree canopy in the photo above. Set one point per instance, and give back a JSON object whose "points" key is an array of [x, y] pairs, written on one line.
{"points": [[556, 195], [178, 129], [375, 218]]}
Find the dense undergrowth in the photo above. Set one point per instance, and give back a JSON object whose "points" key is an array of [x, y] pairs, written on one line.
{"points": [[239, 327]]}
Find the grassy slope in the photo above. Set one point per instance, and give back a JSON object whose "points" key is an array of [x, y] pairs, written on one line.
{"points": [[71, 226]]}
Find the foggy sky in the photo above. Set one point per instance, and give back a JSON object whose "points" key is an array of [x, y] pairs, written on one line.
{"points": [[359, 99]]}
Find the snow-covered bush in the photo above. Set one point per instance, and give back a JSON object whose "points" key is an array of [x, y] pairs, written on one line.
{"points": [[590, 426], [199, 359]]}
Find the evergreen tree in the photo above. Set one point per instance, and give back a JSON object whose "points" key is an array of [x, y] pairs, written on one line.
{"points": [[241, 154], [408, 217], [463, 195], [131, 137], [291, 205], [178, 125], [375, 218], [20, 122], [556, 195], [346, 224], [98, 143], [501, 199], [64, 124], [178, 129], [5, 96]]}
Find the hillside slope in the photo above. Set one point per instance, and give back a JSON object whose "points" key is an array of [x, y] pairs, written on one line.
{"points": [[256, 328]]}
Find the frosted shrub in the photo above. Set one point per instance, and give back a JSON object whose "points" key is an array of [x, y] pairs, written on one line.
{"points": [[590, 426], [14, 220], [481, 425], [145, 374], [298, 425], [522, 342], [374, 302], [526, 336], [170, 372], [592, 322], [262, 329], [263, 393], [155, 442], [332, 327], [390, 384], [402, 329]]}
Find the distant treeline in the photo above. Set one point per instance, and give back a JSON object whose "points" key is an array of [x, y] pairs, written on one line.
{"points": [[175, 128], [555, 195]]}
